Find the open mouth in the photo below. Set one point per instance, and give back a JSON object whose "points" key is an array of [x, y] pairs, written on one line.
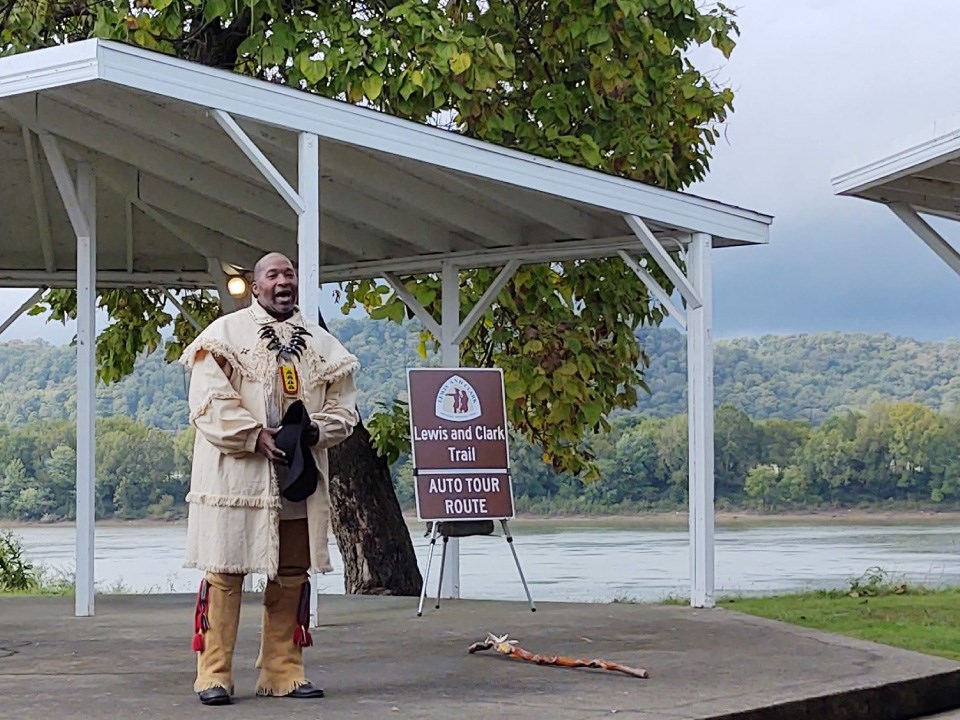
{"points": [[283, 295]]}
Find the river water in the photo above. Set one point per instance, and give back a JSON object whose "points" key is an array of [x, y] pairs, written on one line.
{"points": [[576, 561]]}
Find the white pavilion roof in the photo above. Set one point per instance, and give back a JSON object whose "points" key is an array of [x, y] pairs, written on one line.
{"points": [[173, 190]]}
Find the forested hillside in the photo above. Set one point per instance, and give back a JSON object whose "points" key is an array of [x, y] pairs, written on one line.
{"points": [[804, 377], [804, 421]]}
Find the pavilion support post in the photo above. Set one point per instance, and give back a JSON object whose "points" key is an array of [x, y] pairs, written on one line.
{"points": [[80, 202], [86, 390], [308, 263], [450, 358], [700, 420]]}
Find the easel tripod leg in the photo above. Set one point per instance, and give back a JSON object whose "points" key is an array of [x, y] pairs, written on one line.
{"points": [[506, 533], [443, 561], [426, 575]]}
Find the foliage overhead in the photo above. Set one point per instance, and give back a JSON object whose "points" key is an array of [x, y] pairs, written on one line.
{"points": [[606, 84]]}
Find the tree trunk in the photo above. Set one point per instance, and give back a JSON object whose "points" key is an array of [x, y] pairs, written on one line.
{"points": [[378, 557], [377, 551]]}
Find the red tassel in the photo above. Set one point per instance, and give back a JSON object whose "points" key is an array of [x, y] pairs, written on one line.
{"points": [[200, 622], [302, 637]]}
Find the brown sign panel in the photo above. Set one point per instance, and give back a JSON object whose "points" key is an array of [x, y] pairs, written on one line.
{"points": [[458, 434], [464, 496], [457, 419]]}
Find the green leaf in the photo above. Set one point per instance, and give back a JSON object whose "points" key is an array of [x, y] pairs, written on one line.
{"points": [[662, 43], [372, 86], [213, 9], [400, 10], [460, 63], [281, 35], [597, 36], [592, 411], [590, 154]]}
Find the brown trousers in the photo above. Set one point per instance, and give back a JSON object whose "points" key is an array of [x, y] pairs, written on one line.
{"points": [[283, 634]]}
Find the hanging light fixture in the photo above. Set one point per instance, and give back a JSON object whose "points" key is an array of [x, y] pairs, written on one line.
{"points": [[237, 286]]}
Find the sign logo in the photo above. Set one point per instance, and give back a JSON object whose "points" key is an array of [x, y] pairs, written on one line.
{"points": [[457, 401]]}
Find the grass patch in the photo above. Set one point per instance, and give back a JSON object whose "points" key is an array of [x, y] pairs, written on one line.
{"points": [[873, 608]]}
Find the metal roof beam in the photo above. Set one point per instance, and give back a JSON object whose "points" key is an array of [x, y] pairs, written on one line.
{"points": [[293, 109], [29, 303], [105, 278], [259, 160], [947, 172], [928, 188], [655, 288], [227, 223], [566, 220], [204, 243], [128, 232], [207, 181], [485, 301], [407, 298], [339, 201], [527, 254], [377, 178], [919, 201], [182, 310], [383, 187], [944, 250], [193, 136], [40, 206], [663, 259], [229, 190], [65, 184]]}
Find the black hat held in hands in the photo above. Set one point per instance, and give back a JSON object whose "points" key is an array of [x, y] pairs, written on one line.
{"points": [[292, 439]]}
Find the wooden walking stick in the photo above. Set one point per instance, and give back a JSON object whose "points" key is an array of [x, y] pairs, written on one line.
{"points": [[503, 645]]}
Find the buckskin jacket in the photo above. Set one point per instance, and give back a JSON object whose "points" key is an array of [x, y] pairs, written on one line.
{"points": [[234, 499]]}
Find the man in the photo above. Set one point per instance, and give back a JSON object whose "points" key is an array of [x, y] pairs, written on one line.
{"points": [[247, 369]]}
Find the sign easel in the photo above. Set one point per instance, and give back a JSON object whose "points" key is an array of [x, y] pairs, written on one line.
{"points": [[461, 460]]}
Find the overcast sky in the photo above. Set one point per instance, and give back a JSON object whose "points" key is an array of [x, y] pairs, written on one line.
{"points": [[822, 86]]}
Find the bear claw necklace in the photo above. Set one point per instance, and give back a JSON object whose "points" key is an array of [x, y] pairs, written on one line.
{"points": [[293, 348]]}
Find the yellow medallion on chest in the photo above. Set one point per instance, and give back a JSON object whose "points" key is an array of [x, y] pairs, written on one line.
{"points": [[290, 380]]}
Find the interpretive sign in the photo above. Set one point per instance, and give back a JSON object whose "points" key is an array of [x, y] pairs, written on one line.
{"points": [[458, 434]]}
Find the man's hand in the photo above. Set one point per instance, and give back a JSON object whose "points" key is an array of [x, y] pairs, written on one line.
{"points": [[266, 446], [313, 434]]}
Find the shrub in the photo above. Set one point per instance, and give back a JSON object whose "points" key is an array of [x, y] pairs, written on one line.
{"points": [[16, 572]]}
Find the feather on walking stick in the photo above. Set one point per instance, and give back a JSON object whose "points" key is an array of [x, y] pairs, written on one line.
{"points": [[503, 645]]}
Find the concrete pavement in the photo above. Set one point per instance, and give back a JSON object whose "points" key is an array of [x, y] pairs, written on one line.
{"points": [[378, 660]]}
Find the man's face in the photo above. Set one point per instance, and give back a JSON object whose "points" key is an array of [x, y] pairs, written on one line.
{"points": [[275, 287]]}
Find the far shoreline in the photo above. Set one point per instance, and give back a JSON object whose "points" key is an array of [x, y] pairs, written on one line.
{"points": [[649, 519]]}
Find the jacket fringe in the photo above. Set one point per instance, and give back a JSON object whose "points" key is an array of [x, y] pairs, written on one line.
{"points": [[207, 401], [218, 347], [223, 569], [260, 366], [280, 690], [324, 372], [238, 501]]}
